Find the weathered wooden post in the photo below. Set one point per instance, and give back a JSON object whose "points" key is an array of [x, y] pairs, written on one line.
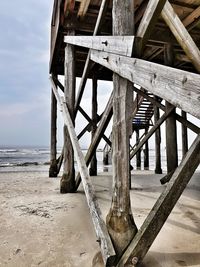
{"points": [[93, 164], [67, 183], [171, 131], [120, 222], [184, 135], [53, 170], [158, 168], [146, 153], [138, 155]]}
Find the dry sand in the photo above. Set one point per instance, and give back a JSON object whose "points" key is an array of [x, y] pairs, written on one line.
{"points": [[41, 227]]}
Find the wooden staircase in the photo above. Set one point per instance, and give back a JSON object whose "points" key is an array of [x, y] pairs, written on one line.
{"points": [[143, 111]]}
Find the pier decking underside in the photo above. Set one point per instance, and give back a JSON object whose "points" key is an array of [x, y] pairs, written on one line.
{"points": [[188, 12]]}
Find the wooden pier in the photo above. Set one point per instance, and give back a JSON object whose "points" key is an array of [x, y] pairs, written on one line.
{"points": [[150, 50]]}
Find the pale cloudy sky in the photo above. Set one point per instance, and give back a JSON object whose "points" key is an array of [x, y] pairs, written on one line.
{"points": [[24, 85]]}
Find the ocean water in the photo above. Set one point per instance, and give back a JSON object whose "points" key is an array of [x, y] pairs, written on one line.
{"points": [[37, 159], [24, 158]]}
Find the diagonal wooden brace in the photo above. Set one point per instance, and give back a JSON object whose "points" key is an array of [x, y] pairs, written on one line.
{"points": [[163, 207], [107, 249]]}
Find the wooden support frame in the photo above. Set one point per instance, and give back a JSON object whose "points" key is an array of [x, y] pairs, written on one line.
{"points": [[184, 135], [87, 66], [181, 34], [157, 79], [120, 221], [93, 164], [192, 18], [152, 131], [67, 183], [107, 249], [53, 169], [158, 167], [179, 118], [98, 135], [90, 125], [163, 207], [148, 21], [170, 126]]}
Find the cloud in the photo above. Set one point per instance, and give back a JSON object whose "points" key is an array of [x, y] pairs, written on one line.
{"points": [[24, 57]]}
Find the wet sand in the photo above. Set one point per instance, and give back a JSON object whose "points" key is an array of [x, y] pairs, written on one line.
{"points": [[41, 227]]}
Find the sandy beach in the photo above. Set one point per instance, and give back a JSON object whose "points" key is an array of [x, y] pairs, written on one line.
{"points": [[41, 227]]}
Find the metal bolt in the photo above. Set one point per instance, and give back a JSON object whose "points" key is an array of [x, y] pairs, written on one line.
{"points": [[106, 43], [134, 260], [106, 58]]}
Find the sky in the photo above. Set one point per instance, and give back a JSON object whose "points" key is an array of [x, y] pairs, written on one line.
{"points": [[24, 84], [24, 77]]}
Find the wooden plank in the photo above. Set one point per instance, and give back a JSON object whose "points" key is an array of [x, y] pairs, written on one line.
{"points": [[171, 140], [138, 154], [152, 131], [93, 164], [192, 17], [146, 153], [170, 129], [100, 227], [180, 88], [181, 34], [69, 6], [158, 168], [98, 135], [188, 124], [83, 8], [53, 164], [149, 20], [120, 222], [184, 135], [163, 207], [87, 62], [67, 183], [121, 45]]}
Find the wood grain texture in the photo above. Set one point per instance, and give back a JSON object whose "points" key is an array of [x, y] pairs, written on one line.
{"points": [[67, 183], [181, 34], [120, 222], [180, 88], [149, 20], [121, 45]]}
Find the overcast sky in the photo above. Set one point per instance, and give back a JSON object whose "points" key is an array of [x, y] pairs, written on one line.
{"points": [[24, 85]]}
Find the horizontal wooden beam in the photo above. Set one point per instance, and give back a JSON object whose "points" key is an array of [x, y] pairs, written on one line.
{"points": [[141, 243], [178, 87], [121, 45], [105, 242]]}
